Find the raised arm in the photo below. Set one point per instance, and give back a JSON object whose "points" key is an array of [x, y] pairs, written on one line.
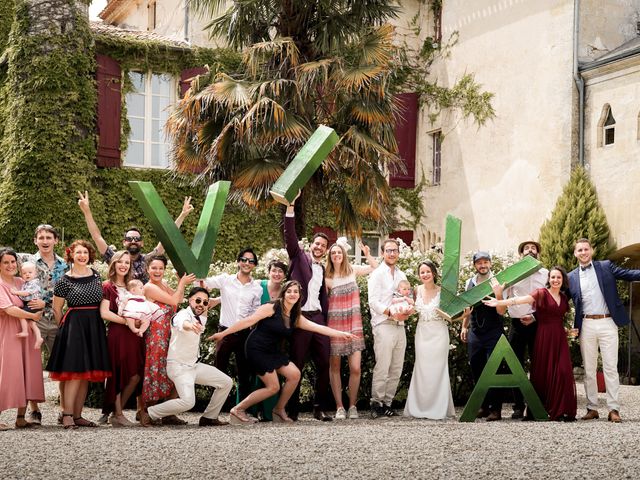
{"points": [[187, 208], [263, 311], [94, 231], [372, 263], [157, 294], [290, 236]]}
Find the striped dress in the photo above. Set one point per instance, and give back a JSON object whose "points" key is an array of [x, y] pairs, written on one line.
{"points": [[344, 315]]}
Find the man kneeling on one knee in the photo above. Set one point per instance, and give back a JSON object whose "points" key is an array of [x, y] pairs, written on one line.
{"points": [[183, 367]]}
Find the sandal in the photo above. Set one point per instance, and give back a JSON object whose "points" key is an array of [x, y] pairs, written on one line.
{"points": [[23, 425], [69, 426], [239, 417], [83, 422], [280, 417]]}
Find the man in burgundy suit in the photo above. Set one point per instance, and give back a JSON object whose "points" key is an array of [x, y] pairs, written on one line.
{"points": [[309, 271]]}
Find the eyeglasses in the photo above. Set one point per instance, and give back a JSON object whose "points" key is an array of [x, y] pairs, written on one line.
{"points": [[132, 239], [247, 260], [200, 301], [391, 250]]}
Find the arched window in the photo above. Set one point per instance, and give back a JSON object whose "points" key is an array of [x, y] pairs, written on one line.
{"points": [[606, 127]]}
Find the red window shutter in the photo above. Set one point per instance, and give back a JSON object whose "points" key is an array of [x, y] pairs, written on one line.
{"points": [[109, 83], [405, 235], [405, 133], [187, 75], [329, 232]]}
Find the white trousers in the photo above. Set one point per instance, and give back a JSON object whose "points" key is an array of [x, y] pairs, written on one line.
{"points": [[389, 344], [603, 333], [185, 378]]}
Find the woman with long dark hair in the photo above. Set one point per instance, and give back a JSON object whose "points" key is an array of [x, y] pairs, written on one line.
{"points": [[275, 322], [551, 368]]}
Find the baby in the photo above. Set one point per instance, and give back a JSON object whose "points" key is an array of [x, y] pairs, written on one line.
{"points": [[402, 302], [135, 307], [30, 291]]}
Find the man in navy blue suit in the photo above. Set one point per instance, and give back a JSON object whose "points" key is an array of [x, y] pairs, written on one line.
{"points": [[599, 313]]}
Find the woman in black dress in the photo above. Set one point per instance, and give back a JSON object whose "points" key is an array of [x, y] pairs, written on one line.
{"points": [[80, 354], [275, 322]]}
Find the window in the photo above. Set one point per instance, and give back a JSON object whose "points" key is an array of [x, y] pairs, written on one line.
{"points": [[370, 239], [606, 127], [151, 16], [436, 139], [609, 129], [147, 112]]}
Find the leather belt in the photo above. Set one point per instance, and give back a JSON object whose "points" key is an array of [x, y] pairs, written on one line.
{"points": [[597, 316]]}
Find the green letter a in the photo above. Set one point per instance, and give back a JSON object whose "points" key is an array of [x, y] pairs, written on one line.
{"points": [[490, 378]]}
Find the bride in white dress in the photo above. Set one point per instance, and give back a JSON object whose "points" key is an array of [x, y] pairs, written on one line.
{"points": [[430, 388]]}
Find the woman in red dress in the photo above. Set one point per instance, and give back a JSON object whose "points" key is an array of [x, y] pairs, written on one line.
{"points": [[551, 369], [156, 385], [126, 349]]}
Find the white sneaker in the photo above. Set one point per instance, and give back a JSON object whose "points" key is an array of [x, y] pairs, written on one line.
{"points": [[341, 414], [353, 412]]}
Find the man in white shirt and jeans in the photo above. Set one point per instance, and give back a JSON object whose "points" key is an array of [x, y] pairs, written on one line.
{"points": [[389, 338], [240, 296], [183, 367]]}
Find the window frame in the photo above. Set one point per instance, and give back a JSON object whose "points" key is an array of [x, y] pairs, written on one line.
{"points": [[436, 157], [147, 141]]}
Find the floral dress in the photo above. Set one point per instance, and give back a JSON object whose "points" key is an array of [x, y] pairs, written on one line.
{"points": [[156, 385]]}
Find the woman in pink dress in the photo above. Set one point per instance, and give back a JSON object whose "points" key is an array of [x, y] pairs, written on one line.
{"points": [[551, 369], [156, 385], [20, 363], [344, 315]]}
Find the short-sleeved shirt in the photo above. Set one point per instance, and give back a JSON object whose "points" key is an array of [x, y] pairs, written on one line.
{"points": [[33, 287], [138, 266]]}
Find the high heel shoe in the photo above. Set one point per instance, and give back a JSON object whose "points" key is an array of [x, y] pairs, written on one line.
{"points": [[238, 417], [280, 418]]}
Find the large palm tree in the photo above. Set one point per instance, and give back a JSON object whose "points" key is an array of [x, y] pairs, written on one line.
{"points": [[304, 64]]}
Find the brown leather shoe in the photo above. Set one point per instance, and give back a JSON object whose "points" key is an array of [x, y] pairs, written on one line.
{"points": [[591, 415], [494, 416], [614, 416], [211, 422], [482, 413]]}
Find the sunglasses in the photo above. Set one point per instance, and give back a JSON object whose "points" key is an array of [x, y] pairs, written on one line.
{"points": [[247, 260], [203, 302], [132, 239]]}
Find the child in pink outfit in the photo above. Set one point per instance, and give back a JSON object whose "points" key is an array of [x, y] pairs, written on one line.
{"points": [[134, 307]]}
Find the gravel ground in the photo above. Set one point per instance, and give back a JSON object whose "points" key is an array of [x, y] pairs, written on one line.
{"points": [[364, 448]]}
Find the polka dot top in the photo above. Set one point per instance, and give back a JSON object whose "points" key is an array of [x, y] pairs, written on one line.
{"points": [[79, 291]]}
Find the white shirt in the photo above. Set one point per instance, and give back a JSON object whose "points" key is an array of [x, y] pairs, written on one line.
{"points": [[382, 283], [313, 289], [526, 287], [592, 299], [184, 345], [238, 300]]}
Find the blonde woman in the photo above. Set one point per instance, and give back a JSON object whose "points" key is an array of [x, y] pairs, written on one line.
{"points": [[344, 315]]}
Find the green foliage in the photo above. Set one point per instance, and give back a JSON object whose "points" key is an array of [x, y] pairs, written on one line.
{"points": [[408, 207], [6, 19], [577, 214], [49, 104]]}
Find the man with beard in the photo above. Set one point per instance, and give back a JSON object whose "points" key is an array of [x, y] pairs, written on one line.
{"points": [[307, 268], [183, 367], [482, 327], [522, 333], [132, 240]]}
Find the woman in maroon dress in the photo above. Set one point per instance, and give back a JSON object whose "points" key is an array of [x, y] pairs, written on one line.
{"points": [[126, 349], [20, 363], [551, 369]]}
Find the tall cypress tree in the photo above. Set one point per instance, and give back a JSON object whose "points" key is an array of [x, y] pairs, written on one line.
{"points": [[577, 214]]}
